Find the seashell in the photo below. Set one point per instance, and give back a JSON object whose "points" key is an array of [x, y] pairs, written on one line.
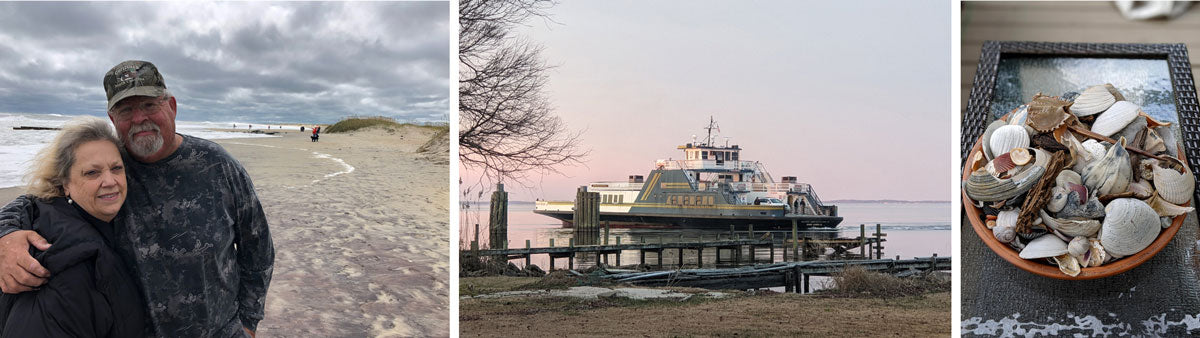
{"points": [[1078, 247], [1165, 221], [1130, 225], [1077, 209], [1115, 118], [1154, 143], [1145, 168], [1172, 185], [987, 137], [1067, 264], [1110, 174], [1001, 164], [1091, 151], [1005, 233], [1058, 199], [1131, 131], [1067, 176], [1167, 209], [1007, 217], [1096, 254], [1092, 100], [1141, 189], [1071, 227], [977, 159], [1018, 116], [982, 186], [1033, 233], [1007, 137], [1047, 112], [1043, 247], [1169, 139], [1020, 156]]}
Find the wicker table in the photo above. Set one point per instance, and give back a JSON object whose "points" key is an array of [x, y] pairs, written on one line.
{"points": [[1159, 297]]}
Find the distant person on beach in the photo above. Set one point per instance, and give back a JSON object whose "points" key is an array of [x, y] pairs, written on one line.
{"points": [[316, 133], [192, 227], [78, 187]]}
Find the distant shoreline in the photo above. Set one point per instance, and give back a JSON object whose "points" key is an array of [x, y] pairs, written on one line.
{"points": [[830, 201]]}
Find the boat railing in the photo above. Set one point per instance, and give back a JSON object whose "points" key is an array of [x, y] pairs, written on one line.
{"points": [[706, 165]]}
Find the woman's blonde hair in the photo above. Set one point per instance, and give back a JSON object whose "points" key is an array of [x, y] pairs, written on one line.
{"points": [[51, 167]]}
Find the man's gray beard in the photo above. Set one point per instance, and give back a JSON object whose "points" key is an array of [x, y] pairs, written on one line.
{"points": [[143, 146]]}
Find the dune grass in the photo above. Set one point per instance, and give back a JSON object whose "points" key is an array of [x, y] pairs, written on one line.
{"points": [[389, 124]]}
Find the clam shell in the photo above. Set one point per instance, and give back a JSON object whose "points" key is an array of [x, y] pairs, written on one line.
{"points": [[1043, 247], [1007, 137], [1078, 247], [987, 137], [1020, 156], [1130, 225], [1067, 264], [1058, 199], [1110, 174], [1067, 176], [1071, 227], [1115, 118], [1174, 186], [982, 186], [1093, 100]]}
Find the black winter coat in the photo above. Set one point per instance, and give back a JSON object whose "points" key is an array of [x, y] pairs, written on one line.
{"points": [[90, 293]]}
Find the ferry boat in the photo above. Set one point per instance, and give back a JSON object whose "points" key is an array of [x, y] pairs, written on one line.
{"points": [[712, 187]]}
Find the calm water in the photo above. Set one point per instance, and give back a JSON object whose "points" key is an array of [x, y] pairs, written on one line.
{"points": [[913, 230]]}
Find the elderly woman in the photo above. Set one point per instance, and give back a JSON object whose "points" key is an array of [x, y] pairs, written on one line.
{"points": [[79, 185]]}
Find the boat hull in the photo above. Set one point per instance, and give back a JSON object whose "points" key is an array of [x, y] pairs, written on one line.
{"points": [[631, 220]]}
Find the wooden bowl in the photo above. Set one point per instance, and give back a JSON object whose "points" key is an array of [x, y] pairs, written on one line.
{"points": [[1039, 266]]}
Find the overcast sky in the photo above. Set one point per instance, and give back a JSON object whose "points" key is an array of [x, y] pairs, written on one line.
{"points": [[850, 96], [259, 62]]}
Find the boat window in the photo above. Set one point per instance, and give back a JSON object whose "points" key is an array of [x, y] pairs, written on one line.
{"points": [[735, 156], [703, 155]]}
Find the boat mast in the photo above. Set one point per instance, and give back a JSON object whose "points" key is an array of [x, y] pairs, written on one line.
{"points": [[712, 124]]}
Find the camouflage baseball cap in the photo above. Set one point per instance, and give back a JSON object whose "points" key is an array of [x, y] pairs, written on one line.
{"points": [[132, 78]]}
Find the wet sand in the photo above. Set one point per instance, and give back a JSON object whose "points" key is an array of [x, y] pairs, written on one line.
{"points": [[359, 252]]}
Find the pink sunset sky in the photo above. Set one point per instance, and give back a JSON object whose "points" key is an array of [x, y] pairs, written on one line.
{"points": [[852, 98]]}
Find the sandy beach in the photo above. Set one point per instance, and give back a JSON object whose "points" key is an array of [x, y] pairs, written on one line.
{"points": [[359, 221]]}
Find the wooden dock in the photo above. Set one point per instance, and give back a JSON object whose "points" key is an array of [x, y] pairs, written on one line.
{"points": [[735, 249], [793, 276]]}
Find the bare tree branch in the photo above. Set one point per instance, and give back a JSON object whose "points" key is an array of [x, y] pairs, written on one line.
{"points": [[507, 125]]}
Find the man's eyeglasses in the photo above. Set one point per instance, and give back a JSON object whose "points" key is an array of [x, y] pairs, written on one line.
{"points": [[148, 107]]}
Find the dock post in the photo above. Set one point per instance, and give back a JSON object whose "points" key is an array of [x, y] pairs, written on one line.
{"points": [[475, 243], [772, 261], [718, 261], [787, 281], [795, 242], [732, 235], [642, 254], [933, 263], [805, 283], [797, 278], [878, 242], [571, 256], [804, 250], [527, 255], [498, 219], [606, 229], [751, 234], [618, 251], [660, 252], [551, 263], [700, 257], [862, 240], [785, 248]]}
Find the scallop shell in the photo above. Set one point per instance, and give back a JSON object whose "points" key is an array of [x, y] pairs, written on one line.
{"points": [[1002, 163], [1110, 174], [1043, 247], [1174, 186], [982, 186], [1093, 100], [1130, 225], [1071, 227], [1115, 118], [1007, 137]]}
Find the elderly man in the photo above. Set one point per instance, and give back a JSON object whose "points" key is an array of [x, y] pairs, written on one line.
{"points": [[192, 226]]}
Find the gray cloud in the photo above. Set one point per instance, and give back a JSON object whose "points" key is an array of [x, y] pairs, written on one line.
{"points": [[265, 62]]}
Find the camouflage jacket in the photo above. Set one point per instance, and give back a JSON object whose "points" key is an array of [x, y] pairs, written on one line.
{"points": [[194, 231]]}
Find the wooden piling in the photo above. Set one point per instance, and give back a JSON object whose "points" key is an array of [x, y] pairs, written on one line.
{"points": [[806, 283], [571, 257], [878, 242], [475, 243], [699, 257], [751, 234], [618, 251], [862, 240], [527, 256], [795, 242], [498, 219]]}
